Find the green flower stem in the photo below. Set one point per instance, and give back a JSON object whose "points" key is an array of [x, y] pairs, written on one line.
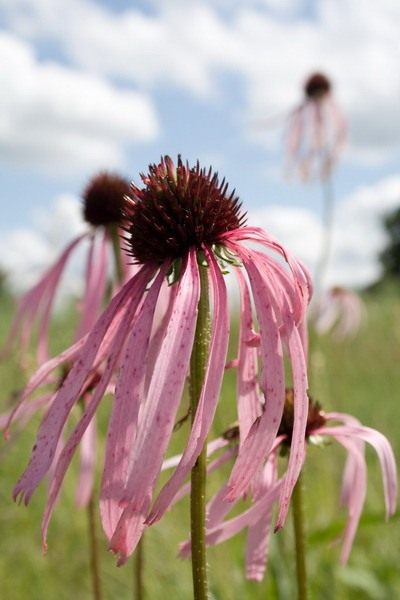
{"points": [[116, 244], [299, 539], [198, 364], [94, 557], [139, 592], [94, 550], [327, 222]]}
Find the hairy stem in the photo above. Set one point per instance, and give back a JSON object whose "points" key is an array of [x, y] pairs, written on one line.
{"points": [[198, 363], [299, 539]]}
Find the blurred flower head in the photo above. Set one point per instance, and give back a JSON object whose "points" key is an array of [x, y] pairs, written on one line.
{"points": [[339, 311], [102, 202], [316, 131], [257, 518], [103, 199], [180, 225]]}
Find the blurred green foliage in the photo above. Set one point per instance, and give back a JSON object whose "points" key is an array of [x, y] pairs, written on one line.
{"points": [[361, 377]]}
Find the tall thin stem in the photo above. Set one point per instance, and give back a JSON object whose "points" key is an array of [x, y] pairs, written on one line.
{"points": [[94, 550], [327, 222], [139, 592], [198, 363], [116, 244], [299, 538]]}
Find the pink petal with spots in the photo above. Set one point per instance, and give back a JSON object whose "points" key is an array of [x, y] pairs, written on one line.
{"points": [[356, 496], [129, 392], [262, 434], [95, 284], [385, 456], [209, 395], [230, 528], [53, 423], [248, 393], [36, 305], [301, 275], [23, 412], [301, 402], [158, 414], [138, 284], [350, 465], [211, 467], [160, 329], [87, 466], [258, 536]]}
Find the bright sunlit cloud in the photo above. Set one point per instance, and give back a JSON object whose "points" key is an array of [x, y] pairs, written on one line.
{"points": [[189, 45], [62, 118]]}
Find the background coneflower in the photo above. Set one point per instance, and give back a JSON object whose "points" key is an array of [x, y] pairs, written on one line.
{"points": [[102, 206]]}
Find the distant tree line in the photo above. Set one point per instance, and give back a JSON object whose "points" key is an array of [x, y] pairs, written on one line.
{"points": [[390, 256]]}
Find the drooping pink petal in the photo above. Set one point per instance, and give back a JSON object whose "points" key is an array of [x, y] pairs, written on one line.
{"points": [[95, 284], [209, 394], [228, 529], [211, 467], [53, 423], [23, 412], [286, 292], [173, 461], [350, 465], [36, 305], [218, 507], [130, 390], [356, 496], [384, 452], [84, 488], [248, 394], [159, 331], [301, 403], [159, 412], [116, 349], [294, 134], [262, 434], [302, 278], [45, 370], [257, 543]]}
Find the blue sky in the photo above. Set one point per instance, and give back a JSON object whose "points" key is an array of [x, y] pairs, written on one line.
{"points": [[96, 85]]}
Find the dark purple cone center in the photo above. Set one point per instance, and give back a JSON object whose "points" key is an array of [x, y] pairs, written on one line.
{"points": [[103, 199], [177, 209], [315, 418], [317, 86]]}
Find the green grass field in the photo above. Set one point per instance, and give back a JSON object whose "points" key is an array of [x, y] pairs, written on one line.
{"points": [[361, 377]]}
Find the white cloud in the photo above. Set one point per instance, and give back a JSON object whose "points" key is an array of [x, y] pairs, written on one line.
{"points": [[25, 253], [358, 232], [61, 118], [268, 44]]}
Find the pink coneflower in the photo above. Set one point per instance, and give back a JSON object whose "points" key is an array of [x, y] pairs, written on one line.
{"points": [[257, 518], [340, 311], [182, 226], [316, 130], [102, 204]]}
